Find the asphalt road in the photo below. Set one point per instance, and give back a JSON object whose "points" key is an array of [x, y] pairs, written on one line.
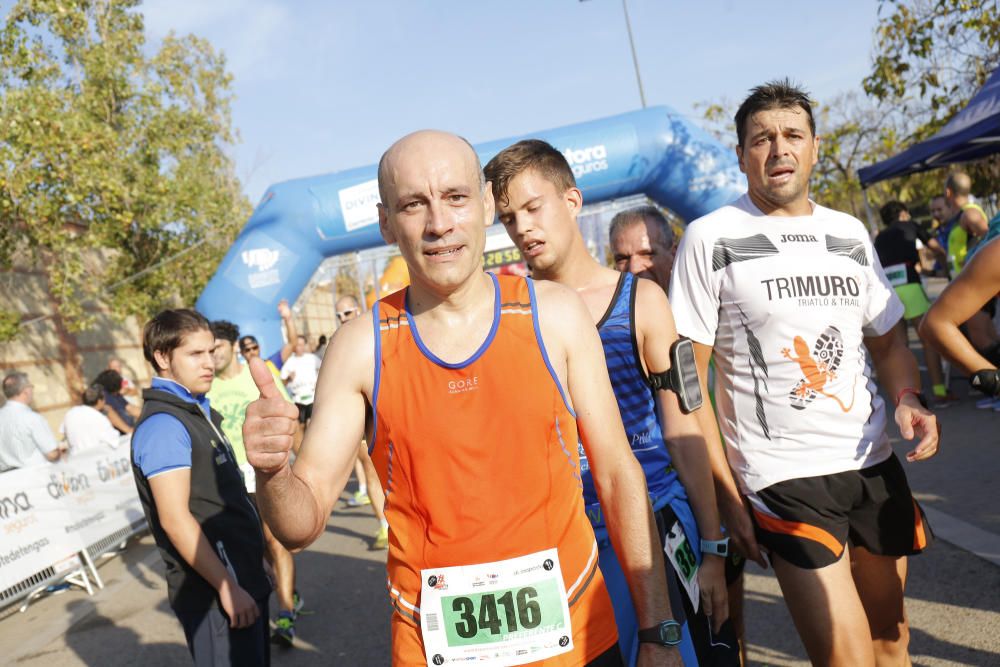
{"points": [[953, 593]]}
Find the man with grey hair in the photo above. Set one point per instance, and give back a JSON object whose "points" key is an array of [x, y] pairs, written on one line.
{"points": [[642, 243], [25, 436]]}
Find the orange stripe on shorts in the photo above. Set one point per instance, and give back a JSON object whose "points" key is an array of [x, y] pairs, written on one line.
{"points": [[798, 529], [919, 536]]}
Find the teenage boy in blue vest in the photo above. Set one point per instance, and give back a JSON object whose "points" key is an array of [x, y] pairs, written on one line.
{"points": [[192, 492]]}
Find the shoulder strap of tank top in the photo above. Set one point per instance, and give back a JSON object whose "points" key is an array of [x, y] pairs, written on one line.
{"points": [[621, 288]]}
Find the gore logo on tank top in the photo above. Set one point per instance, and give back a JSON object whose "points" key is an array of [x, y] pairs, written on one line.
{"points": [[464, 385]]}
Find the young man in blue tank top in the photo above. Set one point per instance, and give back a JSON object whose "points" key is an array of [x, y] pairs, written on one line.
{"points": [[538, 202]]}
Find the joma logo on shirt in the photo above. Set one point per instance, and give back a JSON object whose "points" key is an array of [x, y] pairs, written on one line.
{"points": [[798, 238], [463, 385]]}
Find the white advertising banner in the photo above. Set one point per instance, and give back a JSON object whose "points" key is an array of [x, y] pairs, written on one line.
{"points": [[34, 513], [50, 512], [358, 205], [110, 502]]}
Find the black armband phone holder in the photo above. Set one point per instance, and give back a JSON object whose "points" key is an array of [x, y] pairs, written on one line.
{"points": [[681, 378]]}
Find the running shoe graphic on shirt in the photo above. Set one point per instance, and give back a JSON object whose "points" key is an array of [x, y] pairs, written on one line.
{"points": [[818, 367], [726, 251], [757, 365], [852, 248]]}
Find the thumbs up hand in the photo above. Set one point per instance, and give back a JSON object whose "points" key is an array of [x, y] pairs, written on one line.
{"points": [[270, 423]]}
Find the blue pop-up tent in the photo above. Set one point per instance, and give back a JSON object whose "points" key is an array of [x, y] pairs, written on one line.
{"points": [[973, 133], [298, 223]]}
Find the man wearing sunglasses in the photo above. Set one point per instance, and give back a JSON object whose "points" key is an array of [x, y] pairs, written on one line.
{"points": [[347, 309]]}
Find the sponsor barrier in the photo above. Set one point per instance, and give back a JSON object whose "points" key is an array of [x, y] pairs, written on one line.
{"points": [[56, 518]]}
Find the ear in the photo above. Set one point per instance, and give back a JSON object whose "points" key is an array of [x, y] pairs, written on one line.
{"points": [[162, 360], [489, 204], [816, 140], [574, 200], [739, 158], [383, 224]]}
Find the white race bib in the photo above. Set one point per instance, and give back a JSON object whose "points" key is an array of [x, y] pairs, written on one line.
{"points": [[505, 613], [896, 274], [681, 555]]}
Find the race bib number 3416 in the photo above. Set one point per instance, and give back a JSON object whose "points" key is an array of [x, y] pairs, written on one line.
{"points": [[504, 613]]}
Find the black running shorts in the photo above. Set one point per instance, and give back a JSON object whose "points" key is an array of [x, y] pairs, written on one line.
{"points": [[305, 412], [808, 521]]}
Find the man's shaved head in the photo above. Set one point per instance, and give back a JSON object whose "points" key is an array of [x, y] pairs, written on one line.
{"points": [[959, 183], [436, 207], [427, 140]]}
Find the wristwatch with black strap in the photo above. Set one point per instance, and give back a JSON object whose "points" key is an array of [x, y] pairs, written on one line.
{"points": [[665, 633]]}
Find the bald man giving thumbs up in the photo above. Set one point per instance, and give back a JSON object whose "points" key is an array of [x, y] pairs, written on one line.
{"points": [[479, 393]]}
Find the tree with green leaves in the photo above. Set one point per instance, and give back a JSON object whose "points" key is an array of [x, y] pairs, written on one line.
{"points": [[114, 172], [931, 56]]}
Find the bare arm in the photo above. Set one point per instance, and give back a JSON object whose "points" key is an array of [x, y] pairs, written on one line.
{"points": [[978, 282], [171, 492], [735, 513], [974, 222], [897, 369], [937, 250], [291, 333], [296, 500], [575, 349], [684, 441], [116, 420]]}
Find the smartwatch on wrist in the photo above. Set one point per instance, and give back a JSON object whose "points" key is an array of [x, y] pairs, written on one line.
{"points": [[715, 547], [986, 381], [667, 633]]}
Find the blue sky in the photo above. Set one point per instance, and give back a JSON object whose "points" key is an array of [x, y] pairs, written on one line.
{"points": [[325, 86]]}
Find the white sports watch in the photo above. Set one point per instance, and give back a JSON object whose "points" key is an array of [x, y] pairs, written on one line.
{"points": [[715, 547]]}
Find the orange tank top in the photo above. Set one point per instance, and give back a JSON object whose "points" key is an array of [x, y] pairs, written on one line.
{"points": [[480, 462]]}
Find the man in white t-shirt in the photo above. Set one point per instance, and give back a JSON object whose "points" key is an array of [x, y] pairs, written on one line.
{"points": [[86, 426], [788, 295], [300, 373]]}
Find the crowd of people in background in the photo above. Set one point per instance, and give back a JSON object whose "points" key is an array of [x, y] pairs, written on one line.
{"points": [[107, 409], [912, 252], [226, 539]]}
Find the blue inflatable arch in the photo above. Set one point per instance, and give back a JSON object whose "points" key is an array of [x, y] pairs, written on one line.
{"points": [[299, 223]]}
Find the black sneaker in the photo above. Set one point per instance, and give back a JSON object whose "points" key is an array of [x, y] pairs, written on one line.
{"points": [[284, 631]]}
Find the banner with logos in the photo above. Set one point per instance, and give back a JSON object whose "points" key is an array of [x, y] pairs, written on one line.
{"points": [[50, 512]]}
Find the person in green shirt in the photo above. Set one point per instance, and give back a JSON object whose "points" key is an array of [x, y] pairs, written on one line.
{"points": [[232, 390], [969, 223]]}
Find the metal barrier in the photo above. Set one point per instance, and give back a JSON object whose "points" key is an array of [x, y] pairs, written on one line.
{"points": [[24, 588], [106, 544], [71, 570], [79, 573]]}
